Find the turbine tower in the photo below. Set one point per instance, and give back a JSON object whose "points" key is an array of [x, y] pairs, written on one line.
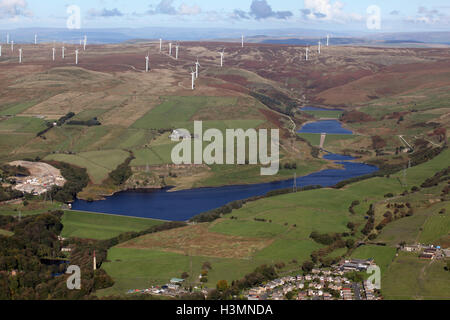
{"points": [[63, 52], [160, 45], [35, 39], [222, 54], [76, 56], [85, 43], [328, 40], [147, 63], [242, 42], [193, 78], [7, 38], [20, 55], [307, 53], [53, 51], [170, 49], [0, 50], [177, 48], [197, 64], [12, 46], [318, 48]]}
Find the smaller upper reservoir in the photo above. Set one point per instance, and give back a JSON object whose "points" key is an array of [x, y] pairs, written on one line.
{"points": [[324, 126]]}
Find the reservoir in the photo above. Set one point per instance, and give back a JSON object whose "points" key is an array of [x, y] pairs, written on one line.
{"points": [[183, 205], [324, 126]]}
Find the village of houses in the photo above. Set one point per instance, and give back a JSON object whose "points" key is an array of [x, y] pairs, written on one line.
{"points": [[320, 284]]}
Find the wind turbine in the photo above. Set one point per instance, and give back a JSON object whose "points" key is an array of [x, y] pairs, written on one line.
{"points": [[197, 64], [193, 78], [170, 49], [242, 42], [318, 48], [85, 43], [222, 54], [7, 38], [307, 53], [63, 51], [160, 45], [147, 63], [12, 46], [53, 51], [0, 50], [20, 55], [328, 40], [177, 48], [76, 56], [35, 39]]}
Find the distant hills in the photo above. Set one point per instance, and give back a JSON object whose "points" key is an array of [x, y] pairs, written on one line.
{"points": [[270, 36]]}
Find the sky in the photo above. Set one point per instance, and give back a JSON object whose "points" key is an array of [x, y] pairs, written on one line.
{"points": [[337, 15]]}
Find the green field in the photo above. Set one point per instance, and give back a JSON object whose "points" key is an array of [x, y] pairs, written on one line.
{"points": [[383, 256], [329, 114], [176, 112], [22, 125], [139, 269], [12, 110], [425, 226], [33, 208], [100, 226], [436, 227], [411, 278], [249, 228], [98, 163]]}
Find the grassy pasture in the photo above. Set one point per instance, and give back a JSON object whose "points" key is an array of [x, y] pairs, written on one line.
{"points": [[409, 277], [437, 226], [138, 268], [33, 208], [12, 110], [425, 226], [100, 226], [383, 256], [22, 125], [177, 112], [98, 163], [329, 114]]}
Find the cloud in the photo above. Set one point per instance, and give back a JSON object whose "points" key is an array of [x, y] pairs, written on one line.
{"points": [[239, 14], [327, 10], [106, 13], [14, 8], [260, 9], [429, 17], [394, 13], [166, 7], [184, 9]]}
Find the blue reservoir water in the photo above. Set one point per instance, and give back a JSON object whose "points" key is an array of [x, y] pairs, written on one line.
{"points": [[324, 126], [183, 205]]}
